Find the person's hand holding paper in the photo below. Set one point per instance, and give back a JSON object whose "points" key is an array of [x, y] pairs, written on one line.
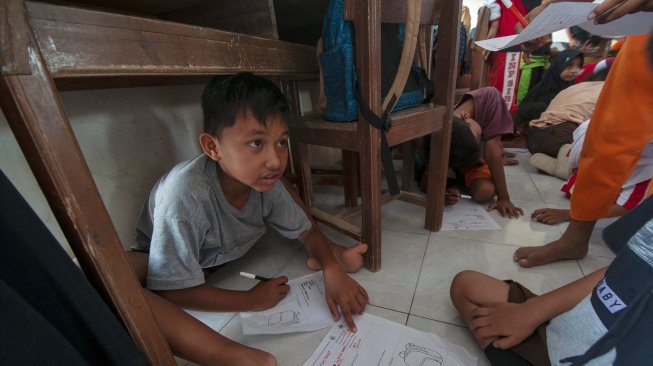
{"points": [[563, 15], [610, 10], [605, 12]]}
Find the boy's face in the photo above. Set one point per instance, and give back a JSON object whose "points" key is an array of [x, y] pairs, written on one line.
{"points": [[252, 154]]}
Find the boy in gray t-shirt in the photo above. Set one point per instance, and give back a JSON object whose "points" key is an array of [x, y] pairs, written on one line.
{"points": [[212, 209]]}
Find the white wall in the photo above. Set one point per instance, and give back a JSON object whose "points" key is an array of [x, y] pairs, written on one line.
{"points": [[129, 137], [473, 6]]}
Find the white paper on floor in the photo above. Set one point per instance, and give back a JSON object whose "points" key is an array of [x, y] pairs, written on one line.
{"points": [[303, 309], [382, 342], [468, 215]]}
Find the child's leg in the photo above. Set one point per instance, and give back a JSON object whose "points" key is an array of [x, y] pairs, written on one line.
{"points": [[138, 262], [188, 337], [350, 259], [470, 289], [192, 340]]}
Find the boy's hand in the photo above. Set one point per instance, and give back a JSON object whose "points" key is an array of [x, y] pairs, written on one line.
{"points": [[506, 209], [342, 291], [451, 196], [267, 294], [511, 322]]}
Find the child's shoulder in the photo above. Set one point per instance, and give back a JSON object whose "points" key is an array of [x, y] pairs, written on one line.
{"points": [[190, 176]]}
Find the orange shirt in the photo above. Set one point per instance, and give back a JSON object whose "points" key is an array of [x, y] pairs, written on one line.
{"points": [[622, 125]]}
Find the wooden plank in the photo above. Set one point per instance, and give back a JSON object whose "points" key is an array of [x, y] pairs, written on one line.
{"points": [[315, 131], [413, 198], [14, 34], [406, 125], [35, 114], [77, 42], [337, 223], [116, 81], [252, 17], [419, 121], [394, 11]]}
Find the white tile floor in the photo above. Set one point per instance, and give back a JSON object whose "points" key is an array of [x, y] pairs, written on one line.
{"points": [[412, 288]]}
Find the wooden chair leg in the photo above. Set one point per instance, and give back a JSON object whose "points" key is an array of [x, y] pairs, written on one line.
{"points": [[437, 177], [305, 175], [350, 178], [371, 197], [408, 168]]}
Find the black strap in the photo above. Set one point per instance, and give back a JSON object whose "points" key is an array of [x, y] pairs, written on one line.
{"points": [[384, 124], [429, 90]]}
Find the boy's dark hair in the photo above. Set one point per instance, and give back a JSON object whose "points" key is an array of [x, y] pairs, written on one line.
{"points": [[465, 150], [225, 98], [527, 112]]}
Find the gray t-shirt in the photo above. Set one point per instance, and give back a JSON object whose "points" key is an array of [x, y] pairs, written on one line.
{"points": [[187, 224]]}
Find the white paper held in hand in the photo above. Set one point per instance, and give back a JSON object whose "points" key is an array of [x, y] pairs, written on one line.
{"points": [[563, 15]]}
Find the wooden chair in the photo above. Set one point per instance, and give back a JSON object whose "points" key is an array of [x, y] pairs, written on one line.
{"points": [[479, 70], [44, 45], [360, 141]]}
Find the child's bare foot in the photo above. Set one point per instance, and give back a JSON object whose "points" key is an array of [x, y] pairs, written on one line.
{"points": [[508, 159], [554, 251], [350, 259], [551, 216]]}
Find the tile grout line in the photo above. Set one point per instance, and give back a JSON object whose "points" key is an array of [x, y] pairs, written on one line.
{"points": [[419, 274]]}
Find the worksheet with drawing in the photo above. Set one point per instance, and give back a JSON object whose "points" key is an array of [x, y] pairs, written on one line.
{"points": [[381, 342], [303, 309]]}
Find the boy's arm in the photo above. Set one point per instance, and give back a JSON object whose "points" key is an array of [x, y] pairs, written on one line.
{"points": [[513, 323], [341, 290], [264, 295], [493, 157], [491, 33]]}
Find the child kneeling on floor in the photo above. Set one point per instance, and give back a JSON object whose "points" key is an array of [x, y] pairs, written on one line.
{"points": [[476, 154], [212, 209]]}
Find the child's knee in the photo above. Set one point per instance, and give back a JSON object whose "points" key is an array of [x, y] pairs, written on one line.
{"points": [[483, 190], [461, 285]]}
